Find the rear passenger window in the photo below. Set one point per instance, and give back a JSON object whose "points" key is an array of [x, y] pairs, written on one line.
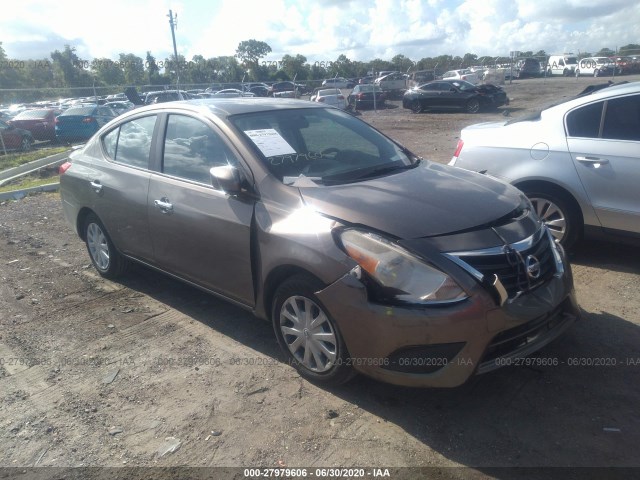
{"points": [[585, 121], [131, 142], [191, 148], [622, 119]]}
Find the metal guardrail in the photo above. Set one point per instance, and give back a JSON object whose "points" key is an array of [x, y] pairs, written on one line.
{"points": [[19, 194], [11, 174]]}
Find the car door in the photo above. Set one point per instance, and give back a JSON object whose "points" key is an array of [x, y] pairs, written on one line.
{"points": [[448, 96], [606, 155], [430, 94], [118, 185], [198, 232], [9, 138]]}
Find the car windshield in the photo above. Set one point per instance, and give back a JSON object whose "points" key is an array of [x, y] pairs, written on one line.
{"points": [[331, 91], [368, 88], [307, 147], [79, 111], [32, 114]]}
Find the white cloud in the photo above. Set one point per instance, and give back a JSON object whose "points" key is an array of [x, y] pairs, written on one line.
{"points": [[321, 30]]}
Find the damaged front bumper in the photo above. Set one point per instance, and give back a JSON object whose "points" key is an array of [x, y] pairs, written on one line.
{"points": [[444, 345]]}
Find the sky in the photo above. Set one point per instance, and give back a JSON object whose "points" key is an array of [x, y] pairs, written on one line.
{"points": [[321, 30]]}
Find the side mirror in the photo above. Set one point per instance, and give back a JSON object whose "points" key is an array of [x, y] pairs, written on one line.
{"points": [[226, 178]]}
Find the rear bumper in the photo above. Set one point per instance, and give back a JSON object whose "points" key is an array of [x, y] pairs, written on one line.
{"points": [[444, 346]]}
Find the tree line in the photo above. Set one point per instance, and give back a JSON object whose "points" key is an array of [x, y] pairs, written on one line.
{"points": [[64, 73]]}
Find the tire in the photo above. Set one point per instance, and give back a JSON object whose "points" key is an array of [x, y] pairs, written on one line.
{"points": [[596, 73], [577, 73], [26, 144], [105, 258], [472, 106], [317, 352], [558, 212], [416, 106]]}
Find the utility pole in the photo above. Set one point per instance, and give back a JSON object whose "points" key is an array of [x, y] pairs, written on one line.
{"points": [[173, 22]]}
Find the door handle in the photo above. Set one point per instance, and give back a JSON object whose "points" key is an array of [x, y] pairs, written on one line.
{"points": [[595, 162], [164, 205], [97, 186]]}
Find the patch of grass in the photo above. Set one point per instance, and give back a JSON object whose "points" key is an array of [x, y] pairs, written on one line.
{"points": [[16, 159], [28, 182]]}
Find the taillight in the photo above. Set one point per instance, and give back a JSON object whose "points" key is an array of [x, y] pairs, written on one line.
{"points": [[88, 120], [340, 97], [456, 154], [321, 99], [64, 167]]}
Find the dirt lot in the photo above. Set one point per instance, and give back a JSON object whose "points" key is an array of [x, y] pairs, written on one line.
{"points": [[97, 373]]}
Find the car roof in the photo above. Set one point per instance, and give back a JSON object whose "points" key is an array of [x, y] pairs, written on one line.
{"points": [[224, 107], [583, 98]]}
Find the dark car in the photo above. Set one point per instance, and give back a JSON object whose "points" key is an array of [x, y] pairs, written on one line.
{"points": [[527, 68], [362, 255], [454, 94], [287, 86], [80, 123], [13, 138], [40, 122], [362, 97]]}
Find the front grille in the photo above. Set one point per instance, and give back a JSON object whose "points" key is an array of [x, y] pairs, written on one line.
{"points": [[510, 265]]}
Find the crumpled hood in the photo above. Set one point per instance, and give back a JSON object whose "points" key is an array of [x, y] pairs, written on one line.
{"points": [[428, 200]]}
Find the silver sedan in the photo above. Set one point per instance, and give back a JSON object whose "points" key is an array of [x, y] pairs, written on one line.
{"points": [[578, 162]]}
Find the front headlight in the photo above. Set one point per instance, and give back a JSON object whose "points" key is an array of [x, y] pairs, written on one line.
{"points": [[401, 275]]}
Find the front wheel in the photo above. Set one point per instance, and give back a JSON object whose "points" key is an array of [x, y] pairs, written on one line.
{"points": [[473, 106], [104, 256], [307, 334], [596, 73], [416, 106]]}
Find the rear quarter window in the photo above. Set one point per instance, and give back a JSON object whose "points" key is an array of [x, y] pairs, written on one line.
{"points": [[585, 121]]}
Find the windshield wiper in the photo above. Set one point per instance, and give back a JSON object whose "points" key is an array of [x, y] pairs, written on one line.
{"points": [[369, 172]]}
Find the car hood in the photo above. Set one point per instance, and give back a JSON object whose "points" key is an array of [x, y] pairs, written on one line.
{"points": [[424, 201]]}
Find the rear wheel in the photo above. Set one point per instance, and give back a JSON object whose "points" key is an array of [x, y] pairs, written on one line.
{"points": [[473, 106], [103, 254], [596, 73], [307, 334], [26, 143], [560, 215]]}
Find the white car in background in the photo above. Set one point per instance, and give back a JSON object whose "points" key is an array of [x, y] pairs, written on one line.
{"points": [[597, 67], [337, 82], [330, 96], [464, 74], [578, 161], [392, 81]]}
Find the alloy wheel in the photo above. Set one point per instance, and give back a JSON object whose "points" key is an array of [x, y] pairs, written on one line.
{"points": [[308, 334], [98, 246], [552, 216]]}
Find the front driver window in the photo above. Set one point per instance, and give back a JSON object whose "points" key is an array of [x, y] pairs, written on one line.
{"points": [[191, 149]]}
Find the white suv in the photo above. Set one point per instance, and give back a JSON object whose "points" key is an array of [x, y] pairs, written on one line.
{"points": [[565, 64]]}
